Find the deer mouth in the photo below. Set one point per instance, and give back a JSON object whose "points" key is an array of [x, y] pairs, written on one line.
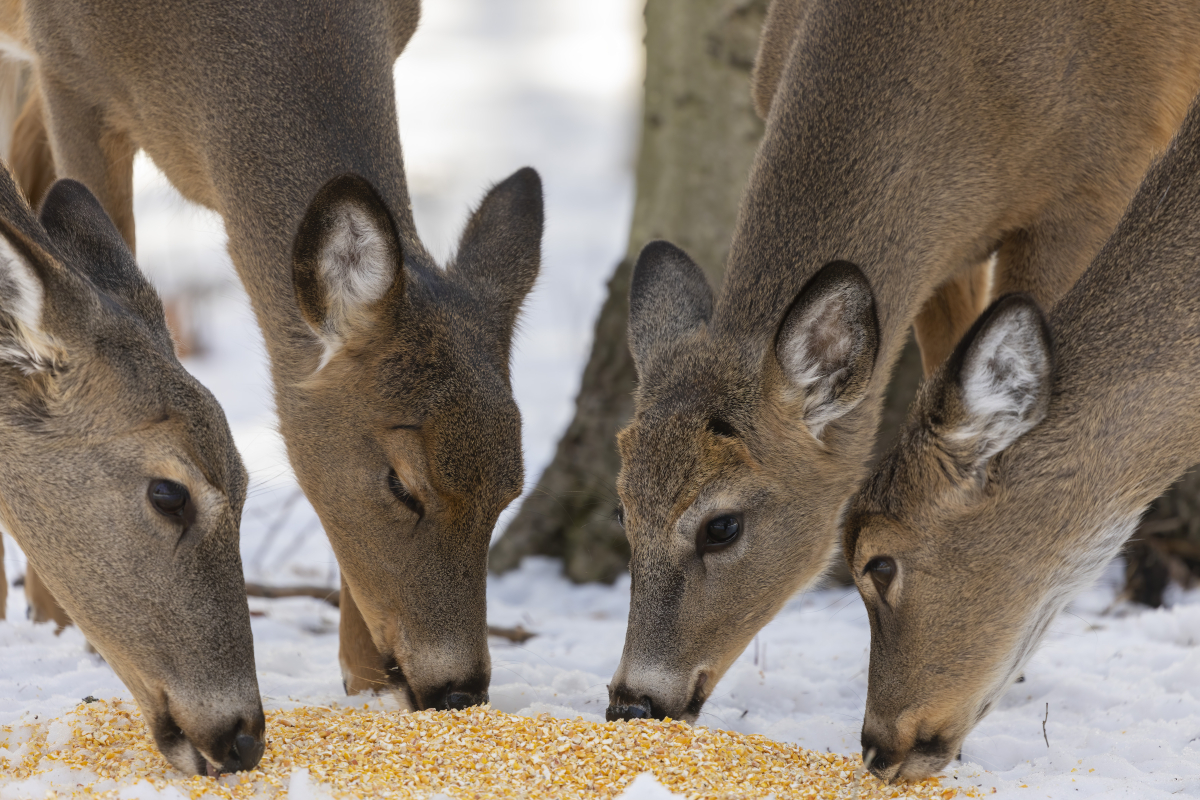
{"points": [[699, 697], [398, 683]]}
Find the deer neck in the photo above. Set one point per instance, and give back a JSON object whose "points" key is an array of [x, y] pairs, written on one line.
{"points": [[262, 187]]}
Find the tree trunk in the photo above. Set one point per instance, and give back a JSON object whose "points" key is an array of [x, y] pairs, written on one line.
{"points": [[699, 134]]}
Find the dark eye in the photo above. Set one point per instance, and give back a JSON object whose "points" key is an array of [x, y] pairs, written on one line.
{"points": [[170, 499], [881, 570], [720, 427], [402, 494], [620, 515], [721, 531]]}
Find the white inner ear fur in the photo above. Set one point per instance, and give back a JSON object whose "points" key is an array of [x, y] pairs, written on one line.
{"points": [[356, 270], [815, 353], [21, 295], [1002, 383]]}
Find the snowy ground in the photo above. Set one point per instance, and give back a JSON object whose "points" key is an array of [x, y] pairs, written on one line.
{"points": [[554, 84]]}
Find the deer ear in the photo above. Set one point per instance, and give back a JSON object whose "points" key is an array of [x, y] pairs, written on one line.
{"points": [[669, 297], [501, 247], [24, 267], [1001, 373], [346, 259], [87, 241], [827, 343]]}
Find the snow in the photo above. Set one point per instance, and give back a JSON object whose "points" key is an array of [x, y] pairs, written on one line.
{"points": [[554, 84]]}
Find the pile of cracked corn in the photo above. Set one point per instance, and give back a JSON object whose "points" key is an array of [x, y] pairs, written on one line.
{"points": [[477, 753]]}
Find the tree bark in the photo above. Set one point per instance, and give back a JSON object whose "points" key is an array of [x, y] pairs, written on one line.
{"points": [[699, 134]]}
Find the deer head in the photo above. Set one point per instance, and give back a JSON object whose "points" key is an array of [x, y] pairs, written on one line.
{"points": [[721, 443], [957, 599], [405, 437], [120, 478]]}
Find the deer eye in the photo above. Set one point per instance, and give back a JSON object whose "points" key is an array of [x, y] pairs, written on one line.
{"points": [[882, 570], [720, 427], [720, 532], [402, 494], [170, 499]]}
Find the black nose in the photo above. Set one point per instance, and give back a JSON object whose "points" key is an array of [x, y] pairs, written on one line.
{"points": [[245, 754], [454, 701], [625, 703], [459, 695], [630, 711], [248, 751], [877, 758]]}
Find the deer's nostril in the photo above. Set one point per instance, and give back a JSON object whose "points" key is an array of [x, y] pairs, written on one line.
{"points": [[456, 701], [875, 757], [641, 709], [248, 751]]}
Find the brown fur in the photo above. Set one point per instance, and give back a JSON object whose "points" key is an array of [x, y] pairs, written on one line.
{"points": [[33, 163], [95, 410], [252, 112], [989, 548], [913, 140]]}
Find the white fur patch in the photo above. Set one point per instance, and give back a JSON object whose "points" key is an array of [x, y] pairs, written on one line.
{"points": [[21, 296], [1002, 383], [1086, 561], [356, 270], [813, 344]]}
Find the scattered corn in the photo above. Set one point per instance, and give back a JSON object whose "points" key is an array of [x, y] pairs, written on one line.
{"points": [[474, 754]]}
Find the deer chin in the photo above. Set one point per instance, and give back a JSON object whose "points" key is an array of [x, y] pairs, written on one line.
{"points": [[184, 756], [398, 684]]}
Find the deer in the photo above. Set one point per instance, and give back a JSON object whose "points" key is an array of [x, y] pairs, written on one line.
{"points": [[391, 373], [1026, 462], [120, 481], [906, 145]]}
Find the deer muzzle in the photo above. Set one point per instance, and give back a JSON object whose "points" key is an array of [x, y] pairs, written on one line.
{"points": [[212, 748], [654, 693], [890, 757]]}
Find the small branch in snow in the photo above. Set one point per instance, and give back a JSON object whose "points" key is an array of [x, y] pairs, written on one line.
{"points": [[1044, 721], [519, 634], [331, 596]]}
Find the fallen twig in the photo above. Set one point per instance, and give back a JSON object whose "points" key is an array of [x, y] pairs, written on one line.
{"points": [[1044, 721], [331, 596], [519, 634]]}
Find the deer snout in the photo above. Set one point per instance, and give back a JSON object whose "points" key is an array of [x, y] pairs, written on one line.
{"points": [[214, 748], [888, 758], [878, 757], [625, 704], [245, 753], [443, 680], [457, 696]]}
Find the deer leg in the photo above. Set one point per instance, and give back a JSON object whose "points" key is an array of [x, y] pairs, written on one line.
{"points": [[31, 160], [92, 152], [42, 605], [363, 668], [950, 313]]}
